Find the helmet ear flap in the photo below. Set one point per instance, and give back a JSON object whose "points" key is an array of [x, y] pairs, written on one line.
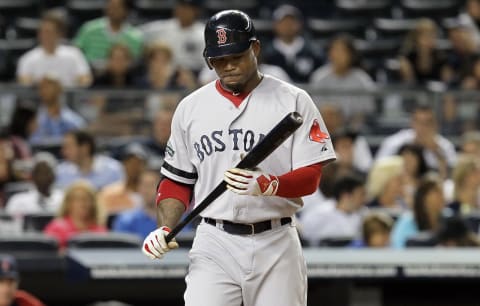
{"points": [[207, 60]]}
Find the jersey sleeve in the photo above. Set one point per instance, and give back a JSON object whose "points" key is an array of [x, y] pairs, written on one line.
{"points": [[177, 165], [311, 142]]}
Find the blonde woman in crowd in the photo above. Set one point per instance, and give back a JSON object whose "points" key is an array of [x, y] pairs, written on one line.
{"points": [[466, 181], [78, 213], [385, 184]]}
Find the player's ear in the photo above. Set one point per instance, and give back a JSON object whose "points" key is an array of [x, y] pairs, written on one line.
{"points": [[256, 47]]}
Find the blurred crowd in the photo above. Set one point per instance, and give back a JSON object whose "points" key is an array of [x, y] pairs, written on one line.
{"points": [[415, 188]]}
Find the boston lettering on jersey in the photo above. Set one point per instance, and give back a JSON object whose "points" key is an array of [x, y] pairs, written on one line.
{"points": [[216, 141]]}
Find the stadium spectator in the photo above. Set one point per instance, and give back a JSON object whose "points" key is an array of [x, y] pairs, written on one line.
{"points": [[119, 70], [376, 229], [420, 61], [95, 38], [78, 213], [342, 221], [54, 117], [471, 18], [163, 73], [289, 49], [343, 72], [466, 181], [51, 56], [43, 197], [141, 220], [10, 295], [156, 144], [439, 152], [6, 165], [455, 232], [471, 80], [22, 125], [415, 169], [120, 196], [335, 121], [183, 33], [426, 216], [460, 58], [82, 162], [471, 143], [385, 184], [344, 144]]}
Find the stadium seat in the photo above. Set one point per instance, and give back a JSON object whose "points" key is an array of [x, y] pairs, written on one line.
{"points": [[11, 50], [363, 8], [28, 243], [393, 28], [26, 27], [251, 7], [421, 240], [379, 49], [104, 240], [328, 28], [10, 9], [81, 11], [473, 221], [435, 9], [36, 222], [149, 10], [336, 242], [264, 29]]}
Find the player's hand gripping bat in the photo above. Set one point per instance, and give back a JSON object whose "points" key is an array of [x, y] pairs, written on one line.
{"points": [[289, 124]]}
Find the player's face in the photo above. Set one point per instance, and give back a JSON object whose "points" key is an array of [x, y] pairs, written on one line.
{"points": [[237, 70]]}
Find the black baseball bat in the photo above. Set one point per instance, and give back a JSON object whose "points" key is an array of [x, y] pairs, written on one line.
{"points": [[289, 124]]}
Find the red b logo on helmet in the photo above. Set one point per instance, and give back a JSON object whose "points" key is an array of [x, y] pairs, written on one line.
{"points": [[222, 36]]}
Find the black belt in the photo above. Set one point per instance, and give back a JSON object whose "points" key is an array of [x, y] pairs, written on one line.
{"points": [[246, 229]]}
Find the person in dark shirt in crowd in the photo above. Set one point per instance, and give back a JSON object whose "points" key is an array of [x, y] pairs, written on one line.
{"points": [[454, 232], [420, 61], [119, 72], [22, 125], [460, 59], [10, 295], [157, 143], [289, 49]]}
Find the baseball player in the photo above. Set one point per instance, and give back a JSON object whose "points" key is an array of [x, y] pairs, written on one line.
{"points": [[246, 249]]}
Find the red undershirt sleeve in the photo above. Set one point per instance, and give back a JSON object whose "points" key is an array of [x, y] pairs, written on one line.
{"points": [[171, 189], [299, 182]]}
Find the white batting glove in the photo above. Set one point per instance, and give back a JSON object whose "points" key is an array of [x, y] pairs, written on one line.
{"points": [[155, 245], [251, 182]]}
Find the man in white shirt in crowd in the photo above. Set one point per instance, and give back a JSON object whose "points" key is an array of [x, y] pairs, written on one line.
{"points": [[51, 56], [82, 163], [183, 33], [343, 220], [439, 152], [43, 198]]}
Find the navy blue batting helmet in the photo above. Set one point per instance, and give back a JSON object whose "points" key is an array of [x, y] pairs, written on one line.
{"points": [[228, 32]]}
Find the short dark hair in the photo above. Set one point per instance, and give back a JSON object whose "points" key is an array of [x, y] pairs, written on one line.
{"points": [[417, 150], [346, 184], [83, 137], [349, 43], [375, 222], [22, 115], [56, 19]]}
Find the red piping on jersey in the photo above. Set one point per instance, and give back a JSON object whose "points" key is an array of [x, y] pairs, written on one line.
{"points": [[299, 182], [171, 189], [235, 99]]}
